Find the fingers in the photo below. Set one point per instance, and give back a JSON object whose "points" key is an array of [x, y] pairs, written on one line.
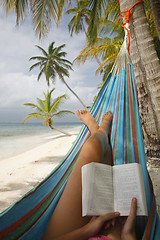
{"points": [[109, 216], [133, 210], [131, 220], [110, 223]]}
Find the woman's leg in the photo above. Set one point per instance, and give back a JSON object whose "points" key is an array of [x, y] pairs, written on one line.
{"points": [[68, 213]]}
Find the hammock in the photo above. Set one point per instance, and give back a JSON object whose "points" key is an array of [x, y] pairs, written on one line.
{"points": [[28, 218]]}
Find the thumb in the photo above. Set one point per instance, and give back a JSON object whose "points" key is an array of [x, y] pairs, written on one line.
{"points": [[132, 215], [109, 216]]}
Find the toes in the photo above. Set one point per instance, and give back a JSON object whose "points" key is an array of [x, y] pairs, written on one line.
{"points": [[78, 113], [83, 111], [108, 115]]}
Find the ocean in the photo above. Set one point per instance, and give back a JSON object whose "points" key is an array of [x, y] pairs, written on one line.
{"points": [[16, 138]]}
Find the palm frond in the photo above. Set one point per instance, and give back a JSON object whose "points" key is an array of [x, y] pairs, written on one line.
{"points": [[47, 101], [20, 7], [103, 51], [43, 12], [49, 72], [61, 71], [41, 103], [110, 59], [40, 74], [34, 106], [97, 8], [62, 113], [112, 10], [57, 103], [35, 65], [40, 58], [42, 50], [61, 6], [34, 115], [50, 48], [106, 70]]}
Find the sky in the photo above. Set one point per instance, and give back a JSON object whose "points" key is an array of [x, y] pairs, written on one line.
{"points": [[19, 86]]}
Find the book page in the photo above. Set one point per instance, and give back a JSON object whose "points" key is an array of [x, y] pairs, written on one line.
{"points": [[100, 191], [128, 183]]}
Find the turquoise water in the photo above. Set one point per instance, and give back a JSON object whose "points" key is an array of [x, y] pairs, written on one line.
{"points": [[16, 138]]}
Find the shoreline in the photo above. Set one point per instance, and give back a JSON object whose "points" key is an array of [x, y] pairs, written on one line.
{"points": [[20, 173], [17, 140]]}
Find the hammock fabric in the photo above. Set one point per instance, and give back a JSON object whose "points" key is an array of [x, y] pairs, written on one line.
{"points": [[28, 218]]}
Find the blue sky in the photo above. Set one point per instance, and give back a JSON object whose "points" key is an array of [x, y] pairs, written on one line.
{"points": [[18, 85]]}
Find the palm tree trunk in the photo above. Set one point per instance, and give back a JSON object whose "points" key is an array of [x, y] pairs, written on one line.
{"points": [[68, 134], [155, 6], [72, 91], [146, 66]]}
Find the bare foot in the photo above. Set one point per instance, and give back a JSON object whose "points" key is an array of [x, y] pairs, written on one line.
{"points": [[106, 122], [104, 130], [86, 117]]}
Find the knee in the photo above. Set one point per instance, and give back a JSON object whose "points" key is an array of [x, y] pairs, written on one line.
{"points": [[93, 147]]}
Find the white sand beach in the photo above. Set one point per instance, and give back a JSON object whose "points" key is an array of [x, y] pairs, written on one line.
{"points": [[21, 173]]}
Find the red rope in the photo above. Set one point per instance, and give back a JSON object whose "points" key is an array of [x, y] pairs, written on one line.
{"points": [[127, 15]]}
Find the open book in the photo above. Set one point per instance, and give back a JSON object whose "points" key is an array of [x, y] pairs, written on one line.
{"points": [[111, 188]]}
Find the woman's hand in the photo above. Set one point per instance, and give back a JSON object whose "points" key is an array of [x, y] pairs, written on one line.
{"points": [[128, 229], [91, 229], [97, 223]]}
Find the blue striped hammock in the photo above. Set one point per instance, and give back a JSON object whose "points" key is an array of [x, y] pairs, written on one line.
{"points": [[28, 218]]}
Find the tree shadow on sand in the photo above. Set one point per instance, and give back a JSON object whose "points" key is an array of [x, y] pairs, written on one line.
{"points": [[53, 160]]}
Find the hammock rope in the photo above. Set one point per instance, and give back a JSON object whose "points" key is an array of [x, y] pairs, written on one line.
{"points": [[127, 15]]}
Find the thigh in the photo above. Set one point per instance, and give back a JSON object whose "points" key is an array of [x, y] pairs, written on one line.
{"points": [[68, 213]]}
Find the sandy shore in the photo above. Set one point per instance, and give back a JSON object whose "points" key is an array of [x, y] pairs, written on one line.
{"points": [[21, 173]]}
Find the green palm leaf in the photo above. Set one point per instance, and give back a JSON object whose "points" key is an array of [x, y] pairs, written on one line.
{"points": [[62, 113], [40, 74], [41, 103], [35, 65], [57, 103], [34, 115], [40, 58], [43, 11], [40, 109], [20, 8]]}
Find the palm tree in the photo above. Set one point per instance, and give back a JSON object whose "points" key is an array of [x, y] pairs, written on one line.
{"points": [[147, 75], [146, 67], [47, 109], [54, 62], [82, 13]]}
